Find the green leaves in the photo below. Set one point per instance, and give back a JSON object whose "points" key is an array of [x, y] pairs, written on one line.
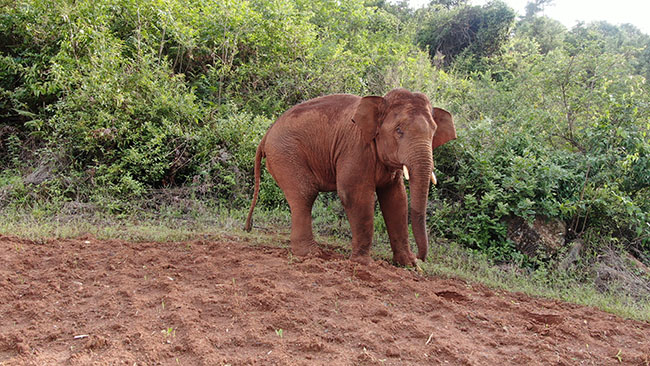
{"points": [[469, 32]]}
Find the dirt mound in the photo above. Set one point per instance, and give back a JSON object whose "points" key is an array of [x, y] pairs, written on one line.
{"points": [[80, 302]]}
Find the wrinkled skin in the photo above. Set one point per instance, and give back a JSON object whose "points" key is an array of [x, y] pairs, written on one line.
{"points": [[357, 147]]}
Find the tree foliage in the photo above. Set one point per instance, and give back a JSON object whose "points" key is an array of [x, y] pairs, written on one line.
{"points": [[470, 31], [548, 33]]}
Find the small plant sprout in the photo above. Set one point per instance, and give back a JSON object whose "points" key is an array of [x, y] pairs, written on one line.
{"points": [[163, 304], [417, 295], [169, 332], [279, 332], [618, 356]]}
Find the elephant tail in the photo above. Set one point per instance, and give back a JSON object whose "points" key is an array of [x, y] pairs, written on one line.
{"points": [[258, 172]]}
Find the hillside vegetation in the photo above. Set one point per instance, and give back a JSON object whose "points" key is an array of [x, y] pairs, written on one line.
{"points": [[119, 107]]}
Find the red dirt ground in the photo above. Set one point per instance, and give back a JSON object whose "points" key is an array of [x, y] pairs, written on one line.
{"points": [[82, 302]]}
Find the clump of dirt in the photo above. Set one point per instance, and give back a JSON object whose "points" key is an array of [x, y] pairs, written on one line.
{"points": [[85, 301]]}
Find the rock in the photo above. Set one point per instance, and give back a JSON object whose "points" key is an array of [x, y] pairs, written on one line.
{"points": [[572, 257], [39, 175], [615, 271], [544, 234]]}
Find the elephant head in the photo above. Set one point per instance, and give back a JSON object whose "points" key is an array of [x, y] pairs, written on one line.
{"points": [[406, 129]]}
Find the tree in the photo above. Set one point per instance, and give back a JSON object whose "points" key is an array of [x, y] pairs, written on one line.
{"points": [[548, 33], [626, 40], [448, 4], [472, 31], [536, 6]]}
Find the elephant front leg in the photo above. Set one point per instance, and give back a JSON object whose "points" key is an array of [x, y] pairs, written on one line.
{"points": [[394, 207], [359, 207]]}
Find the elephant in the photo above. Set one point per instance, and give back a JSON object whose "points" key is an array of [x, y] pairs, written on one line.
{"points": [[358, 147]]}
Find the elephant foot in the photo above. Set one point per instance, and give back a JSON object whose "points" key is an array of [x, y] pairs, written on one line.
{"points": [[404, 258], [362, 259], [305, 249]]}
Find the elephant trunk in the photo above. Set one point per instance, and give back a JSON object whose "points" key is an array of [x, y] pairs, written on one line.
{"points": [[420, 167]]}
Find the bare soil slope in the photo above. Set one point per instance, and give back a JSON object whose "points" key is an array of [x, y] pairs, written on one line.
{"points": [[82, 302]]}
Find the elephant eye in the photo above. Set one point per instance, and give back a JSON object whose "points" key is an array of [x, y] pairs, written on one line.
{"points": [[399, 131]]}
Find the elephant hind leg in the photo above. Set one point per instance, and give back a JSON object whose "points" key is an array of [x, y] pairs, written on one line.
{"points": [[302, 237], [299, 189]]}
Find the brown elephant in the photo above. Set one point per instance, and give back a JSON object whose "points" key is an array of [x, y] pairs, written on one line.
{"points": [[357, 147]]}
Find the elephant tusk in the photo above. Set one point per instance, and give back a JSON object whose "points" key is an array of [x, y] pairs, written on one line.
{"points": [[434, 180]]}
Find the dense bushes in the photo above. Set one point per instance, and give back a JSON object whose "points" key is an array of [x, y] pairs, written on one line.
{"points": [[103, 102], [553, 135]]}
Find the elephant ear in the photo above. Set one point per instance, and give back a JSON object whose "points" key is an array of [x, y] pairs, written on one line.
{"points": [[368, 116], [446, 130]]}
